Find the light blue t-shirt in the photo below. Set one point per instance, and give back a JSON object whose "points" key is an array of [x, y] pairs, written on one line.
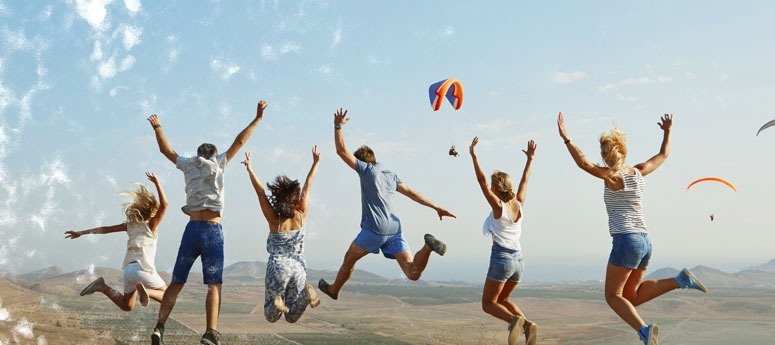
{"points": [[377, 188], [204, 181]]}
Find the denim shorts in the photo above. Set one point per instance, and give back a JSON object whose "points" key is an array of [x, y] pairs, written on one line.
{"points": [[390, 244], [200, 238], [630, 250], [505, 264]]}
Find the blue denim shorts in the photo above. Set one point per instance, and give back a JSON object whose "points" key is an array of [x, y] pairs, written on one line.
{"points": [[200, 238], [630, 251], [390, 245], [505, 264]]}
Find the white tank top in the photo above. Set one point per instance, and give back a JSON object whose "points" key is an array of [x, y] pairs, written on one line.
{"points": [[141, 246], [504, 231]]}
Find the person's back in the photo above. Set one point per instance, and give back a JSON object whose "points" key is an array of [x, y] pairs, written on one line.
{"points": [[204, 182], [140, 246], [378, 185]]}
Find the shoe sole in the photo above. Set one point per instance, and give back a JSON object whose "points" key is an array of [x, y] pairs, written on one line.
{"points": [[437, 246], [156, 339], [323, 287], [142, 294], [516, 328], [206, 342], [654, 335], [279, 306], [92, 287], [531, 335], [696, 281]]}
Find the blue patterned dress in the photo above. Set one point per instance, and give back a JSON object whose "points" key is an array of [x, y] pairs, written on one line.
{"points": [[286, 274]]}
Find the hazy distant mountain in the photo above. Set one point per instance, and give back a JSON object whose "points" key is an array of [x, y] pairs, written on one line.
{"points": [[717, 278], [768, 267], [42, 274]]}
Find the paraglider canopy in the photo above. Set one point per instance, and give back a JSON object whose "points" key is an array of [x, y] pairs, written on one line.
{"points": [[712, 179], [765, 126], [451, 88]]}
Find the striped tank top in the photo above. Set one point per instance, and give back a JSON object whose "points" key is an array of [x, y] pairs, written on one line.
{"points": [[625, 206]]}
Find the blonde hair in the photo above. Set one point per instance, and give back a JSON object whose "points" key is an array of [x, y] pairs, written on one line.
{"points": [[613, 148], [142, 207], [501, 182]]}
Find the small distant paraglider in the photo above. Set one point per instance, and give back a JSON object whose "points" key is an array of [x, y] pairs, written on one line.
{"points": [[452, 151], [712, 179], [450, 88], [765, 126]]}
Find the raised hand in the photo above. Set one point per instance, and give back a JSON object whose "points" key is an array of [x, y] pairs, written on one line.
{"points": [[561, 127], [531, 149], [473, 144], [151, 177], [72, 234], [260, 109], [444, 213], [154, 120], [340, 117], [315, 154], [666, 122], [247, 161]]}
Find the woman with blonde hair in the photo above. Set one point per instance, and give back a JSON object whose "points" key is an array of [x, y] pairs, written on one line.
{"points": [[504, 224], [285, 209], [143, 215], [623, 196]]}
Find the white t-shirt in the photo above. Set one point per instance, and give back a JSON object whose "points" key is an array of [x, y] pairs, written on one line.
{"points": [[204, 181]]}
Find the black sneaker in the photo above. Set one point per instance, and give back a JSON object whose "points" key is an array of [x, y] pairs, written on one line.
{"points": [[89, 289], [436, 245], [323, 287], [157, 336], [210, 337]]}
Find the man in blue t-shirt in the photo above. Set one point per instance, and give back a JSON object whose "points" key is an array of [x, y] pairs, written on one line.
{"points": [[380, 228]]}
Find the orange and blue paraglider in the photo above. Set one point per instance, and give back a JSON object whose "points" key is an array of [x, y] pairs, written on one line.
{"points": [[450, 88]]}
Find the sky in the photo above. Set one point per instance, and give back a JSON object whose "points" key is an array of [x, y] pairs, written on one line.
{"points": [[79, 78]]}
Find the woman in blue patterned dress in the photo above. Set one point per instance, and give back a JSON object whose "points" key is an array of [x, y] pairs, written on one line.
{"points": [[285, 210]]}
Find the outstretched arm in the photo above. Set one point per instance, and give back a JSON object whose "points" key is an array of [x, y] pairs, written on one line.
{"points": [[98, 230], [153, 223], [647, 167], [243, 136], [164, 146], [305, 190], [340, 118], [530, 152], [422, 200], [481, 178], [263, 200], [578, 156]]}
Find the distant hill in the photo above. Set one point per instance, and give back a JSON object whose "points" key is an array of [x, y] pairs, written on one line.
{"points": [[716, 278], [768, 267]]}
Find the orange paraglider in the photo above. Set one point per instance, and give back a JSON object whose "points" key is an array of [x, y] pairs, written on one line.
{"points": [[712, 179], [450, 88]]}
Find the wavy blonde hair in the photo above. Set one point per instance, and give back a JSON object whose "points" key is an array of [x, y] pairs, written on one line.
{"points": [[143, 205], [613, 148], [501, 182]]}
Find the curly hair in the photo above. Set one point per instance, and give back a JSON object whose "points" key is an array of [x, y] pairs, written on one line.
{"points": [[285, 195], [502, 183], [143, 205], [613, 148]]}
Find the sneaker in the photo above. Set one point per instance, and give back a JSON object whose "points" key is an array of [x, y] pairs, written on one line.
{"points": [[531, 332], [157, 336], [515, 327], [323, 286], [210, 337], [142, 293], [651, 335], [93, 286], [686, 279], [312, 297], [436, 245], [279, 305]]}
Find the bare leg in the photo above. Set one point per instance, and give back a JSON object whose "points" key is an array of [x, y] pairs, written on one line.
{"points": [[168, 301], [354, 253], [157, 294], [503, 298], [125, 302], [492, 297], [638, 291], [414, 266], [615, 279], [213, 305]]}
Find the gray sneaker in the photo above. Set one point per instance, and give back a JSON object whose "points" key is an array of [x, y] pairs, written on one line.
{"points": [[312, 296], [88, 290], [210, 337], [531, 332], [436, 245], [515, 328]]}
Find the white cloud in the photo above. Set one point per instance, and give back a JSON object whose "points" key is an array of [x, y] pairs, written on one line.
{"points": [[46, 13], [337, 37], [290, 47], [566, 78], [96, 53], [107, 69], [133, 6], [621, 97], [448, 31], [94, 12], [268, 53], [634, 81], [6, 96], [126, 63], [325, 69], [225, 69], [131, 36], [15, 39]]}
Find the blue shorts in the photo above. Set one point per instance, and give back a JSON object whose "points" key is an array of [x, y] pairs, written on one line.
{"points": [[200, 238], [390, 245], [630, 251], [505, 264]]}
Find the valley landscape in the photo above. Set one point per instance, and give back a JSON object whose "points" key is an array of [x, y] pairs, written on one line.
{"points": [[43, 307]]}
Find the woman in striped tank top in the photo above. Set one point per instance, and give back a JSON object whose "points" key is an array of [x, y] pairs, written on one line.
{"points": [[504, 224], [631, 250]]}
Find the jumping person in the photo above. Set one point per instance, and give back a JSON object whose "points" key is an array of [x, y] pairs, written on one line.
{"points": [[143, 215], [286, 289], [380, 227], [504, 224], [203, 235], [623, 196]]}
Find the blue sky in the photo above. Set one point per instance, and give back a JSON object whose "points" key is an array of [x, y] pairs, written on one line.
{"points": [[79, 78]]}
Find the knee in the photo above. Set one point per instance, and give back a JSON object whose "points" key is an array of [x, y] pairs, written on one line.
{"points": [[413, 276], [127, 307]]}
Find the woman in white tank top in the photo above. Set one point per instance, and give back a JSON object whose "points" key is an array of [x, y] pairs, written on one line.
{"points": [[504, 224], [286, 291], [143, 215]]}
